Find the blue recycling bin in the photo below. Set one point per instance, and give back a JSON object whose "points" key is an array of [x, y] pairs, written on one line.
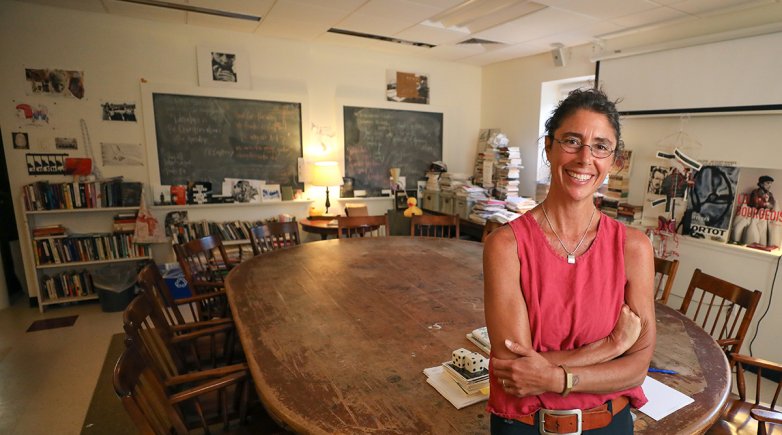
{"points": [[176, 282]]}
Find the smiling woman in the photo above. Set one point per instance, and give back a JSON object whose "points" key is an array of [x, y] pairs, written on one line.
{"points": [[581, 317]]}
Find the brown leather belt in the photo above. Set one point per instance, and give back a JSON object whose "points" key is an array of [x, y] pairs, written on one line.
{"points": [[567, 421]]}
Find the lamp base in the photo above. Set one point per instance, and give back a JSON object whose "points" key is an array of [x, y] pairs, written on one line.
{"points": [[328, 203]]}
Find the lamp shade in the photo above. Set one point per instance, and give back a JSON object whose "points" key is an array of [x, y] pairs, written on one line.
{"points": [[326, 174]]}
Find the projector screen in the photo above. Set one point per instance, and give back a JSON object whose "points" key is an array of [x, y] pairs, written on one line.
{"points": [[737, 75]]}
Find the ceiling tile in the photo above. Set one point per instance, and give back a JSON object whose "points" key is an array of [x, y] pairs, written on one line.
{"points": [[601, 9], [535, 26], [700, 7], [82, 5], [432, 35], [249, 7], [225, 23], [649, 17]]}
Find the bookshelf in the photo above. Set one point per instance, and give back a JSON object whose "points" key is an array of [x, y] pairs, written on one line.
{"points": [[69, 240]]}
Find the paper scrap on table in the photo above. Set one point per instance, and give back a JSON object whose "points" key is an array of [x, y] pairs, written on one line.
{"points": [[445, 385], [663, 400]]}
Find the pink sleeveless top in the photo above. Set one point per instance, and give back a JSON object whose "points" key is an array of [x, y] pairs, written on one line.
{"points": [[569, 305]]}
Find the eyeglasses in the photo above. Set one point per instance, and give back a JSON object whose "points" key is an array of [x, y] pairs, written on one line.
{"points": [[572, 145]]}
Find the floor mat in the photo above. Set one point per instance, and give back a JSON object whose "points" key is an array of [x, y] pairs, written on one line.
{"points": [[57, 322]]}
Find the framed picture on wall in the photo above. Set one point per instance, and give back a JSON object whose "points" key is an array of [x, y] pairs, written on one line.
{"points": [[223, 67]]}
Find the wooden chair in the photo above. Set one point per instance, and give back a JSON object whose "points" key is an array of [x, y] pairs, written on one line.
{"points": [[362, 226], [176, 350], [726, 313], [204, 263], [664, 274], [427, 225], [273, 236], [356, 210], [488, 228], [744, 416], [154, 409]]}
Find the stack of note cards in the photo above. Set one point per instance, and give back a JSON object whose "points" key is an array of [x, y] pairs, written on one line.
{"points": [[467, 381], [480, 337], [445, 385]]}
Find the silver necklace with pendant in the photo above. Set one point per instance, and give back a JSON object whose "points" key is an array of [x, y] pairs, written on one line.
{"points": [[571, 256]]}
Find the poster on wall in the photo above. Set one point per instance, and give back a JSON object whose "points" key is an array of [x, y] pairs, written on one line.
{"points": [[664, 199], [710, 201], [118, 112], [407, 87], [757, 220], [122, 154], [57, 82], [223, 67]]}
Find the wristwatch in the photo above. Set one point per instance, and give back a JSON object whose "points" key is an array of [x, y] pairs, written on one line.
{"points": [[568, 381]]}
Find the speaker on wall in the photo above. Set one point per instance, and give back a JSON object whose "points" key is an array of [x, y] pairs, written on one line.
{"points": [[558, 54]]}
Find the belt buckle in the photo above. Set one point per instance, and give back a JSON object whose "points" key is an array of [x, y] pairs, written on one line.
{"points": [[544, 412]]}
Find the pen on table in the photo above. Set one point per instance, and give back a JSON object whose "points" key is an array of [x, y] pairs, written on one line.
{"points": [[667, 372]]}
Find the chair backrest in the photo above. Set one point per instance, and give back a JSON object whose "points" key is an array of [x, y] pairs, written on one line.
{"points": [[722, 309], [427, 225], [273, 236], [664, 274], [362, 226], [204, 261], [286, 234], [146, 327], [144, 396], [206, 306], [488, 228], [356, 209]]}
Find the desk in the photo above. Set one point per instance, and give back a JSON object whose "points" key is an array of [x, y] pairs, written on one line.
{"points": [[337, 334]]}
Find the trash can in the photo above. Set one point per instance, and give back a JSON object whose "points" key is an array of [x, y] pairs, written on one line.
{"points": [[175, 280], [116, 286]]}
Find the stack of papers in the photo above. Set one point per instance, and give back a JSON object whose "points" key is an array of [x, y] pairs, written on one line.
{"points": [[445, 385], [663, 400]]}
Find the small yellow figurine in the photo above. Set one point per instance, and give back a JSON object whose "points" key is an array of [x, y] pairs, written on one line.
{"points": [[412, 208]]}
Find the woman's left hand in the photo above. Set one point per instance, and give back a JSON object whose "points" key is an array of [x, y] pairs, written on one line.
{"points": [[528, 375]]}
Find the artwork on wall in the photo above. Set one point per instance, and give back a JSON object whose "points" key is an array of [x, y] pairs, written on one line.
{"points": [[122, 154], [271, 193], [118, 112], [407, 87], [757, 220], [243, 190], [32, 115], [45, 164], [710, 201], [60, 82], [65, 143], [21, 140], [223, 67]]}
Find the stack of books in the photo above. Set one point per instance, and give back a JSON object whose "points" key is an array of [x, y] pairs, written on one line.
{"points": [[469, 382], [49, 231], [630, 214], [508, 166], [124, 223]]}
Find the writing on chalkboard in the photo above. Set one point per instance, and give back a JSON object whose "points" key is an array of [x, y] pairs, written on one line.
{"points": [[379, 139], [204, 138]]}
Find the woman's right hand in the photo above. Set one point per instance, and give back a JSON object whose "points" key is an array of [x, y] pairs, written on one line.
{"points": [[626, 331]]}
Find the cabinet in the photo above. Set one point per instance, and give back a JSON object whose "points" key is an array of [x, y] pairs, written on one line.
{"points": [[67, 244]]}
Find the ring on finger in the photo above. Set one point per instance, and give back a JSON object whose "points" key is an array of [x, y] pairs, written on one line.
{"points": [[503, 384]]}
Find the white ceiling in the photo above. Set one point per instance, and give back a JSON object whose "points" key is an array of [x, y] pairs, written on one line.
{"points": [[518, 27]]}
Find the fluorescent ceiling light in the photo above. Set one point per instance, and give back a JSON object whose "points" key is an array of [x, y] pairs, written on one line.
{"points": [[476, 15], [190, 8]]}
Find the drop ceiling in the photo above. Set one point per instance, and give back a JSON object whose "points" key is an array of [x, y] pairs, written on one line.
{"points": [[476, 32]]}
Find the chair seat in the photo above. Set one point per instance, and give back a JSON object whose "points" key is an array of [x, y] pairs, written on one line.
{"points": [[736, 420]]}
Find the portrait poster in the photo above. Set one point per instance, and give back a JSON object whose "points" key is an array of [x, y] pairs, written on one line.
{"points": [[407, 87], [223, 67], [665, 196], [243, 190], [757, 219], [59, 82], [21, 140], [710, 201]]}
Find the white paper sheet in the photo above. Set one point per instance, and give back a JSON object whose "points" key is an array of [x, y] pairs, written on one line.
{"points": [[445, 385], [663, 400]]}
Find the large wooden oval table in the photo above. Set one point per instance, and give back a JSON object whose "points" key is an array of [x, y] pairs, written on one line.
{"points": [[337, 334]]}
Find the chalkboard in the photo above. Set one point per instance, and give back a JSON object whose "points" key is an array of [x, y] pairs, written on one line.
{"points": [[379, 139], [204, 138]]}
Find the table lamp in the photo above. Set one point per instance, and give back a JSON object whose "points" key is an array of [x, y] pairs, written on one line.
{"points": [[326, 174]]}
